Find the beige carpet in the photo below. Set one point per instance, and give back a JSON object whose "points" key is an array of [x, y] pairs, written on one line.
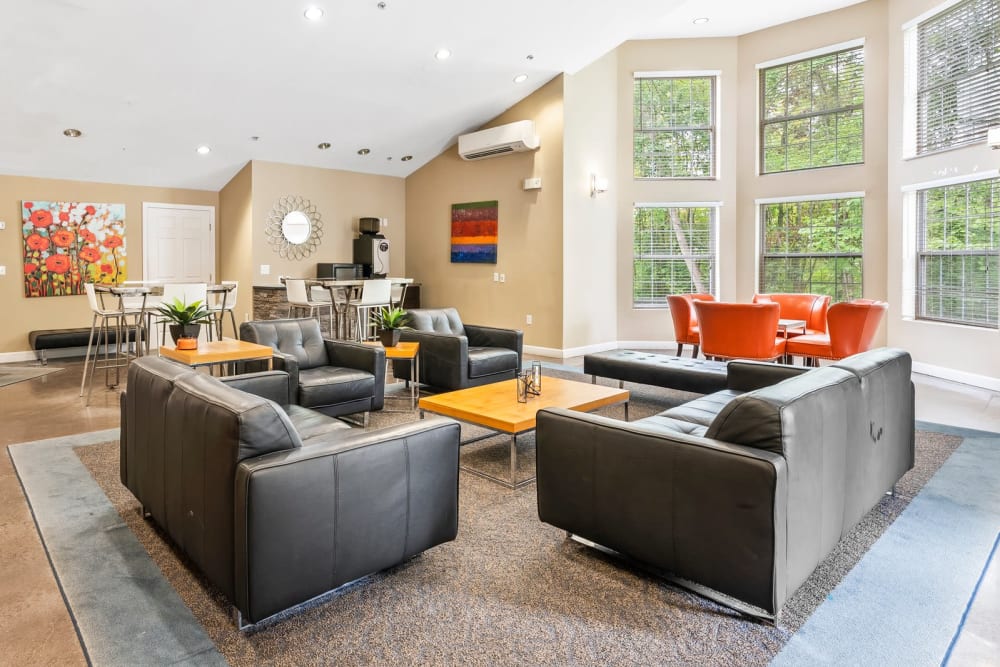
{"points": [[511, 590]]}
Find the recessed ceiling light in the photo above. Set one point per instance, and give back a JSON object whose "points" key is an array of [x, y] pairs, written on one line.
{"points": [[520, 78], [699, 21], [364, 151], [406, 158], [255, 138], [72, 132], [204, 150], [442, 54], [530, 57], [381, 5], [323, 146], [314, 13]]}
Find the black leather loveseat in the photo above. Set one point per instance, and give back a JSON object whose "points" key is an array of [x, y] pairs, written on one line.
{"points": [[743, 491], [274, 503]]}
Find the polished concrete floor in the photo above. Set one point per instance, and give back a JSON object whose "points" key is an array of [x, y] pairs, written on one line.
{"points": [[37, 629]]}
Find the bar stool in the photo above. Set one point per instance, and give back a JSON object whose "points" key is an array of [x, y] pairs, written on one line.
{"points": [[100, 326], [219, 306], [374, 294], [298, 299]]}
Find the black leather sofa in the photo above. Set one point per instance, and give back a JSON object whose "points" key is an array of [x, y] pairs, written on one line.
{"points": [[454, 355], [276, 504], [741, 492]]}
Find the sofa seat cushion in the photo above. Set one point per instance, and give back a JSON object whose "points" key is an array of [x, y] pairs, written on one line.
{"points": [[330, 385], [702, 410], [312, 424], [663, 424], [490, 361]]}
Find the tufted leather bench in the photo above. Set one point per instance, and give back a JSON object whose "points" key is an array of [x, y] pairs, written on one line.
{"points": [[51, 339], [682, 373]]}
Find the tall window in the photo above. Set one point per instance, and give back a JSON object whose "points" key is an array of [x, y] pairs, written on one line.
{"points": [[812, 112], [812, 246], [958, 237], [674, 127], [958, 75], [673, 252]]}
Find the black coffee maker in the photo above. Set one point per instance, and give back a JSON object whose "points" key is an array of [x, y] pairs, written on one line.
{"points": [[371, 248]]}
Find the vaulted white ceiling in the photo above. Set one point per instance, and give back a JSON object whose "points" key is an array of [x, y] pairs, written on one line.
{"points": [[148, 81]]}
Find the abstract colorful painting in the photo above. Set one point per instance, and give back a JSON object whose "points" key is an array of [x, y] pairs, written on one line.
{"points": [[67, 244], [474, 232]]}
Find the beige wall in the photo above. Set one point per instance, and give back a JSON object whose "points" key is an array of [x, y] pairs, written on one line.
{"points": [[341, 197], [960, 348], [235, 222], [63, 312], [590, 146], [530, 244], [677, 55]]}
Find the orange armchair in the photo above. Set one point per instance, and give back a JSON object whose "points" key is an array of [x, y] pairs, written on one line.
{"points": [[685, 320], [852, 327], [739, 330], [809, 307]]}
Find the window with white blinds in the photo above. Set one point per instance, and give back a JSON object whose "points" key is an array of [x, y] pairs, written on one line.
{"points": [[958, 75], [673, 252], [813, 247], [674, 127], [958, 248], [812, 112]]}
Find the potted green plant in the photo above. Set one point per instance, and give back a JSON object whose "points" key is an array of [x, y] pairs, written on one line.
{"points": [[389, 321], [186, 318]]}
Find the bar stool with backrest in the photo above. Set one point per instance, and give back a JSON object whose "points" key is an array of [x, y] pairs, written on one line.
{"points": [[187, 293], [374, 294], [685, 320], [103, 321], [739, 330], [851, 329], [298, 300], [221, 303]]}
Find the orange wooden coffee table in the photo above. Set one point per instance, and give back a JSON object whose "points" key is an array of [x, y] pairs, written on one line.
{"points": [[494, 406]]}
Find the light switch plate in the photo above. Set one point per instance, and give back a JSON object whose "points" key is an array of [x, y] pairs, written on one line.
{"points": [[3, 270], [3, 225], [265, 269]]}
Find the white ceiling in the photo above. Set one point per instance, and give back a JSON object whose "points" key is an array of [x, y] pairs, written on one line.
{"points": [[148, 82]]}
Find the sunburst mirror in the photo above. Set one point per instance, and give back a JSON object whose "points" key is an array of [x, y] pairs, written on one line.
{"points": [[294, 227]]}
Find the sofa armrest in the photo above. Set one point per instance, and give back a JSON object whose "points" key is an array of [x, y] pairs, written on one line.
{"points": [[444, 358], [272, 385], [705, 510], [746, 375], [288, 363], [349, 504]]}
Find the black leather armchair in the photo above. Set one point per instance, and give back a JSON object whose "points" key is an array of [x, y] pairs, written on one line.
{"points": [[454, 355], [333, 376]]}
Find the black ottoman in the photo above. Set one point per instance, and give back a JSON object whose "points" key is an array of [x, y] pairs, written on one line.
{"points": [[683, 373]]}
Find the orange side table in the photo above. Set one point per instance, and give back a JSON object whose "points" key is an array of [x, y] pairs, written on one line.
{"points": [[405, 350]]}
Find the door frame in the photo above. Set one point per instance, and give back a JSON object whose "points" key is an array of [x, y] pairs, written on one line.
{"points": [[196, 207]]}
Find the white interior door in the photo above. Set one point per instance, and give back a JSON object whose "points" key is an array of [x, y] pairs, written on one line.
{"points": [[178, 243]]}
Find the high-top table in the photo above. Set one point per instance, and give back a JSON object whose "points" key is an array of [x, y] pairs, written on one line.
{"points": [[495, 406]]}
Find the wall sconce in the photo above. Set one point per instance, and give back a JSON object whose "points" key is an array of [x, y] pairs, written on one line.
{"points": [[597, 185]]}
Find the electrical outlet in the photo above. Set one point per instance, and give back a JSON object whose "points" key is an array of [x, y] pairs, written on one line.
{"points": [[496, 277], [503, 278], [3, 225], [3, 270], [265, 269], [528, 319]]}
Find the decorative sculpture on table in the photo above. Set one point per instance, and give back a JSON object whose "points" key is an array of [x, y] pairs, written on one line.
{"points": [[67, 244], [529, 382], [474, 232], [294, 227]]}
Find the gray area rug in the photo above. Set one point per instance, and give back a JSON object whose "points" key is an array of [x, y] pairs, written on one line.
{"points": [[510, 589], [12, 374]]}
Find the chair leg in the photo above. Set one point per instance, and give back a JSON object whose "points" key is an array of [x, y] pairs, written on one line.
{"points": [[694, 354], [680, 348], [86, 360]]}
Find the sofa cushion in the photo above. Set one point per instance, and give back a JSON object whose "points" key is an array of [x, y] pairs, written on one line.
{"points": [[330, 385], [775, 417], [704, 409], [663, 424], [311, 424], [441, 320], [491, 360]]}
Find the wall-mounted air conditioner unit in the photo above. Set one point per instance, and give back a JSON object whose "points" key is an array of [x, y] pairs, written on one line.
{"points": [[510, 138]]}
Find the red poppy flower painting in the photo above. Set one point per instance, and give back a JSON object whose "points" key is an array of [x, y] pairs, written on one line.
{"points": [[68, 244]]}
